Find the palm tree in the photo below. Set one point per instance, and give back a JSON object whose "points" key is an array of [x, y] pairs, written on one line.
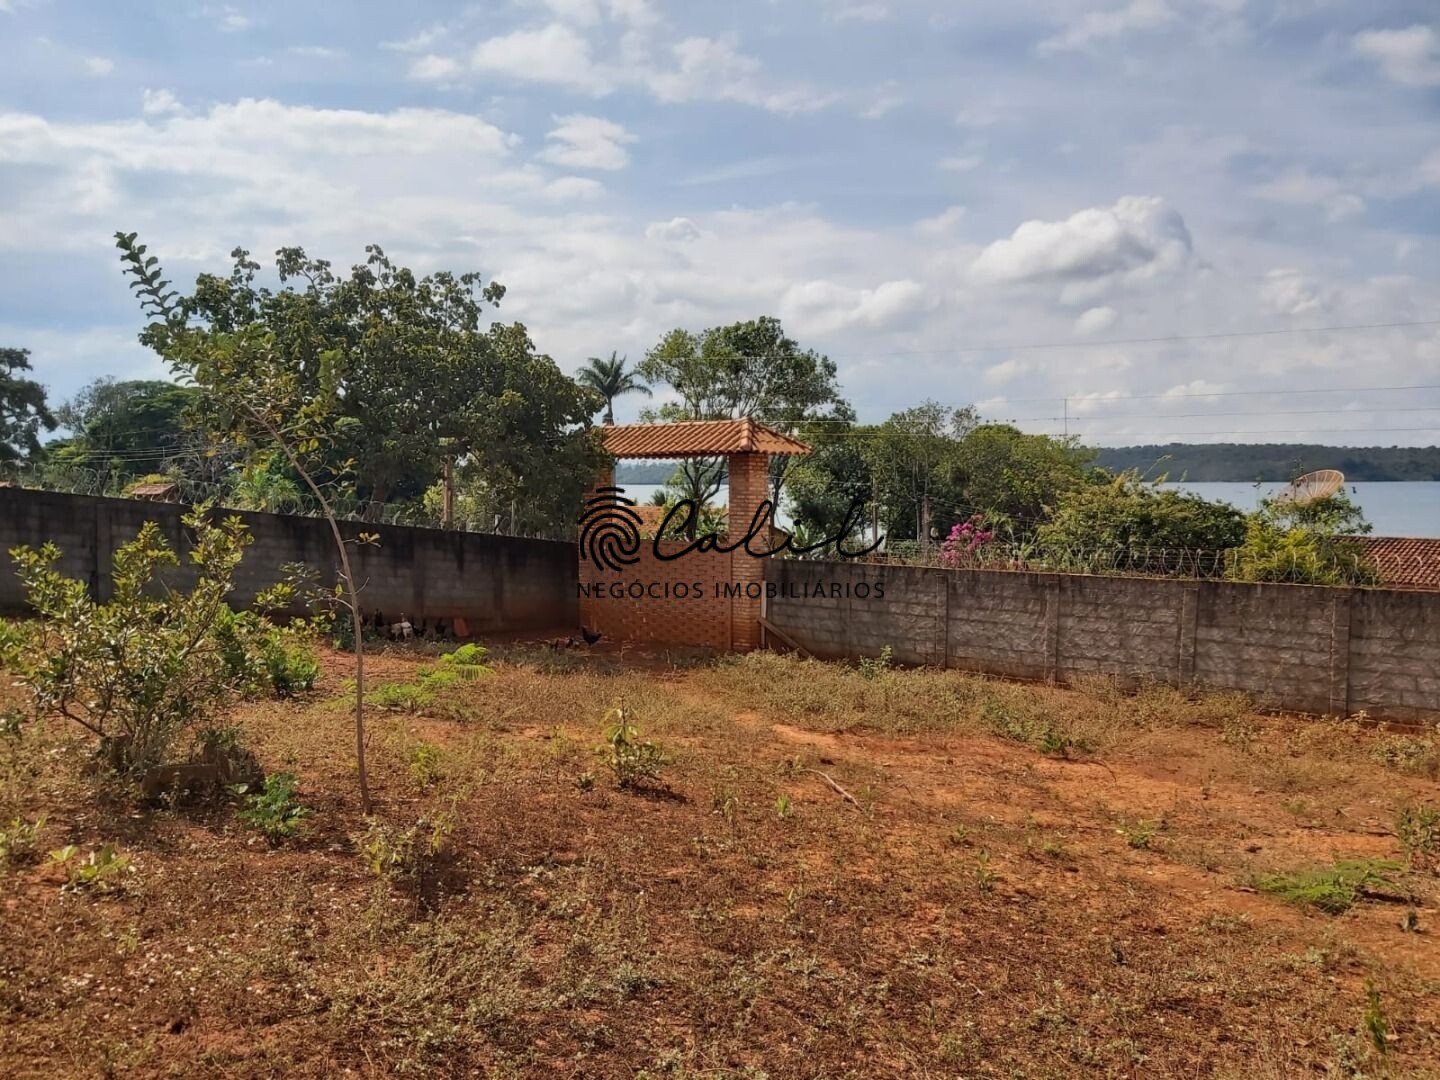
{"points": [[609, 379]]}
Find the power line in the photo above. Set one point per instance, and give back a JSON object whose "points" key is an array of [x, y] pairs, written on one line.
{"points": [[1163, 339]]}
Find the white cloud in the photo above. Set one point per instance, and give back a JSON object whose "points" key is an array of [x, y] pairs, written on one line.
{"points": [[1410, 56], [860, 11], [99, 66], [885, 100], [316, 52], [564, 53], [160, 102], [713, 69], [552, 54], [960, 163], [587, 142], [1138, 239], [1288, 291], [1299, 187], [943, 222], [431, 68], [1096, 320], [679, 230], [1099, 26], [228, 19], [824, 307], [574, 188]]}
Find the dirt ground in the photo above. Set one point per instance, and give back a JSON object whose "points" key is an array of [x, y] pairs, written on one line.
{"points": [[839, 873]]}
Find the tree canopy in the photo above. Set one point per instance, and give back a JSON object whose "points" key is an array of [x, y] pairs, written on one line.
{"points": [[23, 411], [386, 374], [748, 368], [126, 427]]}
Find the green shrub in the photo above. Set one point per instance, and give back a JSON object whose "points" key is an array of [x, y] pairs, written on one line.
{"points": [[872, 667], [1418, 830], [20, 841], [150, 665], [261, 657], [274, 811], [408, 855], [1409, 754], [425, 768], [1333, 889], [633, 760], [102, 871]]}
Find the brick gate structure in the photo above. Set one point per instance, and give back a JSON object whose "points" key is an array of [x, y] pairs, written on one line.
{"points": [[710, 599]]}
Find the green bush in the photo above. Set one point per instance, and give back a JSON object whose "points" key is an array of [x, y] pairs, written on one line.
{"points": [[408, 855], [275, 810], [148, 666], [1311, 543], [263, 658], [633, 760], [1333, 889]]}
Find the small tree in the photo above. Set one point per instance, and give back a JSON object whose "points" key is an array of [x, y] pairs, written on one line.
{"points": [[1310, 543], [258, 397], [143, 668]]}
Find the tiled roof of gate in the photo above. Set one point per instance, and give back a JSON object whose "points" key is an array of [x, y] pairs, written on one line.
{"points": [[1405, 562], [698, 438]]}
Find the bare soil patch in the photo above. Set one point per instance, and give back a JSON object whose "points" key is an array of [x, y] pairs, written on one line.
{"points": [[1035, 883]]}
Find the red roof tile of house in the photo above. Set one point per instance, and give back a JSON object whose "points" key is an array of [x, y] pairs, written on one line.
{"points": [[1405, 562], [698, 438]]}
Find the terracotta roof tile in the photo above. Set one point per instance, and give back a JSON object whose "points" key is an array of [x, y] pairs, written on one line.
{"points": [[1405, 562], [698, 438]]}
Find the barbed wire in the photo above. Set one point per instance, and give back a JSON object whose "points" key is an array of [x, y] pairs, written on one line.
{"points": [[76, 480], [1357, 567]]}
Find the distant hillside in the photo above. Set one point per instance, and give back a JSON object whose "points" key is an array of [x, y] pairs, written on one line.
{"points": [[644, 472], [1251, 462]]}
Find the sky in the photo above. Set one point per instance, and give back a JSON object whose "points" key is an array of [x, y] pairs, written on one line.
{"points": [[999, 204]]}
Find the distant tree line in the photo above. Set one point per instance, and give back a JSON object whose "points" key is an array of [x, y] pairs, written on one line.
{"points": [[1272, 462], [397, 393]]}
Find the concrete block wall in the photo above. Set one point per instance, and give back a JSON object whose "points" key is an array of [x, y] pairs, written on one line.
{"points": [[495, 583], [1298, 647]]}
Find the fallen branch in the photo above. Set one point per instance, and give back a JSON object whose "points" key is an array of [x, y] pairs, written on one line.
{"points": [[836, 788]]}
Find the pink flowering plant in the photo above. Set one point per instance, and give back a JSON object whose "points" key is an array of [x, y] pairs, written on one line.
{"points": [[965, 539]]}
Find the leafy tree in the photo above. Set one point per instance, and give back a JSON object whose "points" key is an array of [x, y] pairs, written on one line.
{"points": [[250, 384], [1125, 515], [407, 372], [744, 369], [610, 380], [23, 411], [915, 461], [822, 487], [1015, 479], [126, 428], [1308, 542]]}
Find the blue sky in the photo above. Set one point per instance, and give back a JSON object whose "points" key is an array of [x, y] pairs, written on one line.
{"points": [[901, 182]]}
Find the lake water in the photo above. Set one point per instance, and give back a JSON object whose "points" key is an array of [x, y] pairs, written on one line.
{"points": [[1395, 509]]}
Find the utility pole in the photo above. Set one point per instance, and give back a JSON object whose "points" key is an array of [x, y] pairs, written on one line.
{"points": [[447, 503], [875, 512], [1065, 409]]}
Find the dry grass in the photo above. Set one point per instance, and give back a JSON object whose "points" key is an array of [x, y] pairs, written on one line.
{"points": [[988, 908]]}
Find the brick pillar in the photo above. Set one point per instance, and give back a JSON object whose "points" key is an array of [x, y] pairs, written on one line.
{"points": [[749, 486], [589, 608]]}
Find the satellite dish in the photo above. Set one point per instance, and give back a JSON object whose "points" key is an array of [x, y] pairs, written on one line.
{"points": [[1320, 484]]}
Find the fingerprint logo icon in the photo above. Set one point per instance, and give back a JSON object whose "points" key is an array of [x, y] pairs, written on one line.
{"points": [[610, 530]]}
